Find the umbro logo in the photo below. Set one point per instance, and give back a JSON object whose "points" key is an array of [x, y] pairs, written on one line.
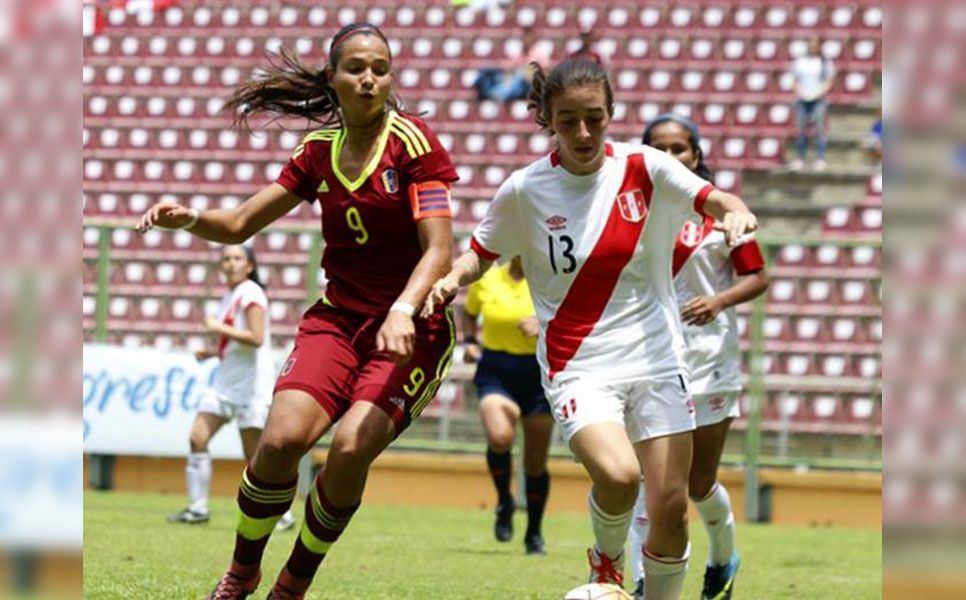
{"points": [[557, 222]]}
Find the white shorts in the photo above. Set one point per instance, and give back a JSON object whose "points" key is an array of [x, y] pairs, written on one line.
{"points": [[647, 409], [248, 416], [716, 407]]}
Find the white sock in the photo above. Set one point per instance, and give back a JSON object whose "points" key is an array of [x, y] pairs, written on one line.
{"points": [[719, 520], [664, 576], [637, 537], [610, 530], [198, 473]]}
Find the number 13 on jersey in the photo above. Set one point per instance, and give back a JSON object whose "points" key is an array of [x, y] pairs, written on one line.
{"points": [[565, 247]]}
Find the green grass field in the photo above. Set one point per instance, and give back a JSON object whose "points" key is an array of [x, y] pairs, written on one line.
{"points": [[387, 553]]}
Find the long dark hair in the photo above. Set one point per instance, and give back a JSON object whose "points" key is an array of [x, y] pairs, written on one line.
{"points": [[573, 72], [250, 253], [694, 138], [290, 88]]}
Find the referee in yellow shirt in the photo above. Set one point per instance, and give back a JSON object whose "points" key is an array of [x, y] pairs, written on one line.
{"points": [[508, 385]]}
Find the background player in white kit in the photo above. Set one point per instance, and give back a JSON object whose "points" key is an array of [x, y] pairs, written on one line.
{"points": [[704, 269], [243, 382], [595, 224]]}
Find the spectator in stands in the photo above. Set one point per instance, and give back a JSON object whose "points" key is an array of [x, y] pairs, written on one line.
{"points": [[710, 279], [361, 358], [242, 384], [513, 81], [611, 350], [586, 50], [872, 144], [508, 385], [813, 76]]}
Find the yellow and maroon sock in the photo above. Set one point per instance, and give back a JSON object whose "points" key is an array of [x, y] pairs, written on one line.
{"points": [[260, 505]]}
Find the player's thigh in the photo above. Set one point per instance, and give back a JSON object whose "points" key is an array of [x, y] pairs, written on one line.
{"points": [[537, 431], [203, 428], [364, 431], [665, 464], [295, 423], [709, 444], [608, 455], [500, 416]]}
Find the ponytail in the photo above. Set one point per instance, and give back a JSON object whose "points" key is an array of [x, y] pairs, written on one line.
{"points": [[290, 88]]}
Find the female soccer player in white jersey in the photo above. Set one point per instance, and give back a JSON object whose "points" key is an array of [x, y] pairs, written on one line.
{"points": [[595, 224], [704, 270], [242, 386]]}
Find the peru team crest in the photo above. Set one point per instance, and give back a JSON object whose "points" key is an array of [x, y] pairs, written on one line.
{"points": [[633, 206], [389, 181]]}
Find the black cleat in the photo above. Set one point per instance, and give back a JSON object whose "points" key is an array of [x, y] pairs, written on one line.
{"points": [[535, 545], [639, 590], [503, 527], [719, 580]]}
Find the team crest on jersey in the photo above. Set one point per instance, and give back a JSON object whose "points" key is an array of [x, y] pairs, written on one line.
{"points": [[557, 222], [690, 235], [389, 181], [632, 205]]}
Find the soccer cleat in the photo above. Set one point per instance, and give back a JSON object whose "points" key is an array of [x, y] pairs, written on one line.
{"points": [[604, 569], [280, 593], [188, 516], [719, 580], [286, 522], [534, 544], [234, 587], [503, 526], [639, 590]]}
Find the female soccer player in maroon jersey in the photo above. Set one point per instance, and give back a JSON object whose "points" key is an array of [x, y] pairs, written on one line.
{"points": [[360, 358]]}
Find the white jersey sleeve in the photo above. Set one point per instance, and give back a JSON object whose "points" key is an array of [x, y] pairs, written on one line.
{"points": [[252, 293], [500, 232], [677, 183]]}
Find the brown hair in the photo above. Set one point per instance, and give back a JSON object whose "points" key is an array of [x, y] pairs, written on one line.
{"points": [[570, 73], [288, 87]]}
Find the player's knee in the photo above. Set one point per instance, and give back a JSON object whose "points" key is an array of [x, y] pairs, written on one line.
{"points": [[280, 448], [668, 507], [501, 440], [535, 465], [356, 448], [198, 442], [700, 484], [620, 484]]}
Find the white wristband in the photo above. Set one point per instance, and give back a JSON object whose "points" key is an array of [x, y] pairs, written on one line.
{"points": [[195, 214], [403, 307]]}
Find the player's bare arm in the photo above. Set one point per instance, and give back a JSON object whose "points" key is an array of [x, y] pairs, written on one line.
{"points": [[701, 310], [734, 218], [232, 226], [468, 268]]}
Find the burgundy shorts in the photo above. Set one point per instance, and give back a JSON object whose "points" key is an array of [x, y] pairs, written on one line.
{"points": [[336, 362]]}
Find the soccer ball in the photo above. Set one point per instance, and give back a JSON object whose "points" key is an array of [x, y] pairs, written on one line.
{"points": [[597, 591]]}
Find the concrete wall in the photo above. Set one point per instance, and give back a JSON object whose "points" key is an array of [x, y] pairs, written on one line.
{"points": [[427, 479]]}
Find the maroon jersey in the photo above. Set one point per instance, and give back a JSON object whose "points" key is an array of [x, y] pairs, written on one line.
{"points": [[369, 225]]}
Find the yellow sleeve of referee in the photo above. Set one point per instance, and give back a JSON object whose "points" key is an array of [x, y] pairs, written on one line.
{"points": [[503, 302]]}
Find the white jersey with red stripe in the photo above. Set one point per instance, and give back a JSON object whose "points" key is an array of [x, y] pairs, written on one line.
{"points": [[246, 374], [597, 252], [704, 265]]}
